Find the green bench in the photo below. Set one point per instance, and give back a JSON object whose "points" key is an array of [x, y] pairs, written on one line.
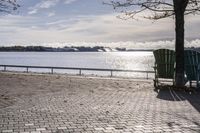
{"points": [[192, 66], [164, 65]]}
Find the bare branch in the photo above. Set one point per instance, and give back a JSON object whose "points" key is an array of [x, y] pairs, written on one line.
{"points": [[7, 6], [161, 8]]}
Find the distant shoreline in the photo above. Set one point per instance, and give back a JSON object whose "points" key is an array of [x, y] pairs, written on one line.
{"points": [[68, 49], [80, 51]]}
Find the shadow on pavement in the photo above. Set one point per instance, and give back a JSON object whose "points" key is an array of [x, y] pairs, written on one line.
{"points": [[170, 94]]}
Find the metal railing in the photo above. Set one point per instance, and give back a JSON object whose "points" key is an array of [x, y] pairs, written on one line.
{"points": [[76, 68]]}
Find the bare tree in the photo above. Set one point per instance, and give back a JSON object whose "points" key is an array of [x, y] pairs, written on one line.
{"points": [[161, 9], [7, 6]]}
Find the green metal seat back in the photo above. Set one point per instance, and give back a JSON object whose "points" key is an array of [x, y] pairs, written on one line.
{"points": [[192, 59], [164, 62]]}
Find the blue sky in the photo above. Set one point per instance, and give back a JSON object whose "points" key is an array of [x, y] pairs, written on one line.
{"points": [[78, 22]]}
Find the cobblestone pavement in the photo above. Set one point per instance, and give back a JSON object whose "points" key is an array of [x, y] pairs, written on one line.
{"points": [[104, 111]]}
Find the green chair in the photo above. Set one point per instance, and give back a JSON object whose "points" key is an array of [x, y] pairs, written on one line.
{"points": [[192, 66], [164, 65]]}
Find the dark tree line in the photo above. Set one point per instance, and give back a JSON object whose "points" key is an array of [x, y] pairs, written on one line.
{"points": [[162, 9], [51, 49], [22, 48]]}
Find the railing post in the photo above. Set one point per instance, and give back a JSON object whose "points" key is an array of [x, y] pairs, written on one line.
{"points": [[147, 75], [27, 69], [111, 73], [51, 70], [4, 68], [80, 72]]}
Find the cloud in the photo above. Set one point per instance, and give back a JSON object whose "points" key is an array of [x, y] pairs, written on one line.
{"points": [[69, 1], [45, 4], [34, 11], [94, 30], [109, 28], [56, 22], [51, 14]]}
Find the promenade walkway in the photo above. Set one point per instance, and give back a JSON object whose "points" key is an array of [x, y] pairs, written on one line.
{"points": [[62, 104]]}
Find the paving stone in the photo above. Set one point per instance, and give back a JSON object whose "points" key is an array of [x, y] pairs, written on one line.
{"points": [[62, 127], [7, 131], [35, 132], [107, 109], [29, 124], [110, 128], [40, 129], [99, 129]]}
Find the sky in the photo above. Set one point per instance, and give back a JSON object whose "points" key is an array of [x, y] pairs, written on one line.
{"points": [[87, 22]]}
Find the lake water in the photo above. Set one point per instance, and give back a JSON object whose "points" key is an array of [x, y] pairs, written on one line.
{"points": [[112, 60]]}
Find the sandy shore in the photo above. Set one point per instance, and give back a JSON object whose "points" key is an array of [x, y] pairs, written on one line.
{"points": [[19, 85]]}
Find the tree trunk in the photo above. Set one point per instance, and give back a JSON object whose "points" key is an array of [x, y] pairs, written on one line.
{"points": [[179, 48]]}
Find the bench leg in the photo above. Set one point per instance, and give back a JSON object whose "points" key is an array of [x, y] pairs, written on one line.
{"points": [[155, 83]]}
